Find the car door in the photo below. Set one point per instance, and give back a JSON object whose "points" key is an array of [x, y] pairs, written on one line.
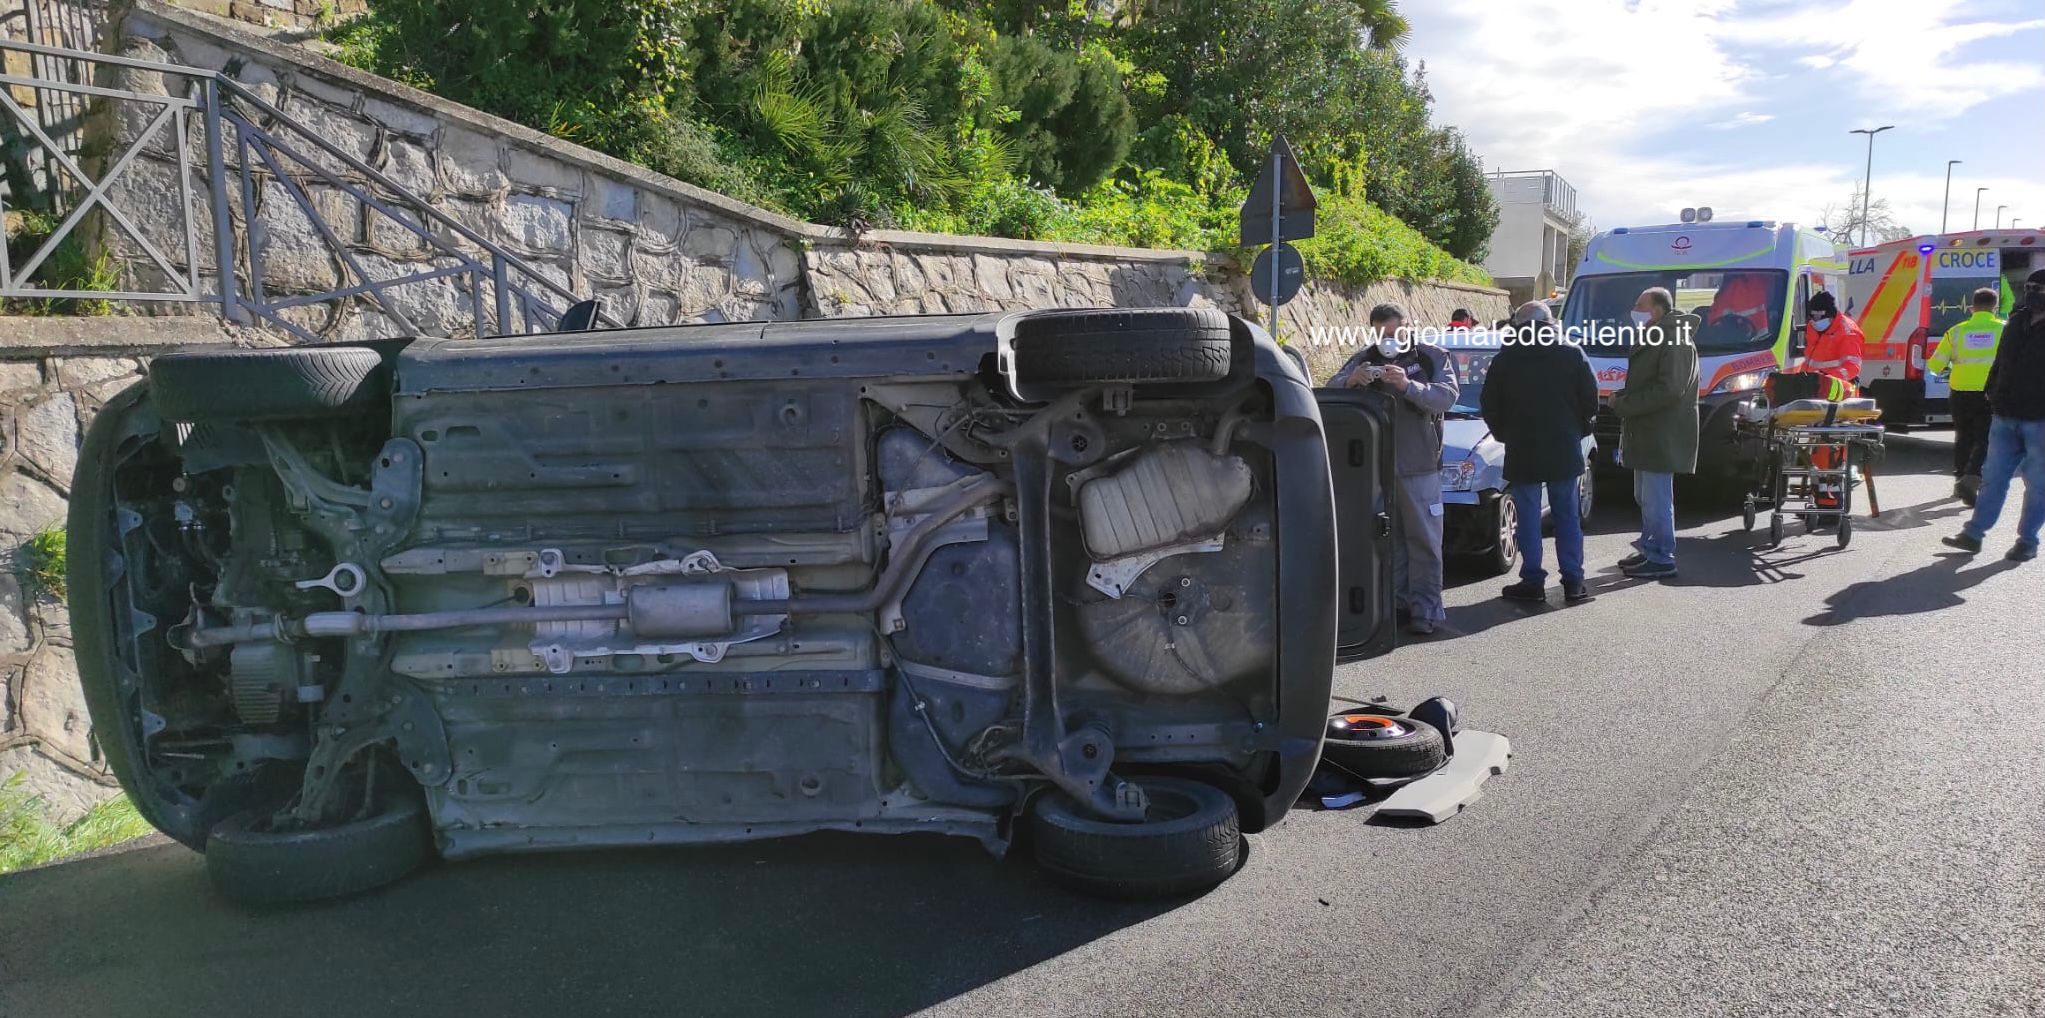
{"points": [[1358, 425]]}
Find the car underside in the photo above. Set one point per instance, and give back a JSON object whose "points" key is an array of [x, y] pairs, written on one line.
{"points": [[720, 582]]}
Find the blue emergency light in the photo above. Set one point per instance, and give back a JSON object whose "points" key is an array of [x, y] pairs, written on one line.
{"points": [[1926, 248]]}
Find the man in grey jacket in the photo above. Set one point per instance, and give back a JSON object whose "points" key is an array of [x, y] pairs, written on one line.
{"points": [[1422, 387]]}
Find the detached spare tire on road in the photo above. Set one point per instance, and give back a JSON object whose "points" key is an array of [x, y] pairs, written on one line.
{"points": [[267, 385], [1153, 345], [1190, 840], [1381, 746]]}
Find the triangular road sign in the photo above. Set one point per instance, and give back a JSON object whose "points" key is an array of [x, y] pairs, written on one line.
{"points": [[1296, 203]]}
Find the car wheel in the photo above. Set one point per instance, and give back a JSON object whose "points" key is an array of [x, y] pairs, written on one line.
{"points": [[1189, 840], [1586, 494], [267, 385], [254, 866], [1505, 546], [1378, 746], [1154, 345]]}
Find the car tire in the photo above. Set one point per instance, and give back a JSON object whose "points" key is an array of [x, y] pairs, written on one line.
{"points": [[1586, 496], [1192, 841], [1168, 345], [1505, 546], [1398, 748], [267, 385], [256, 867]]}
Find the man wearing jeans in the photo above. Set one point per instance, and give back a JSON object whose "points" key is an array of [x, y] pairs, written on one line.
{"points": [[2016, 432], [1540, 398], [1657, 426]]}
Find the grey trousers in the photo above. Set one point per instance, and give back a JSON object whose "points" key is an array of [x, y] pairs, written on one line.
{"points": [[1416, 559]]}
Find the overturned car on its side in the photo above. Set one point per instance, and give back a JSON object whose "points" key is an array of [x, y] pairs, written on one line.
{"points": [[341, 608]]}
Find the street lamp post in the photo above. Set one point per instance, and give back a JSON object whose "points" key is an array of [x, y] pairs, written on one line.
{"points": [[1977, 207], [2014, 220], [1867, 182], [1947, 205], [1998, 215]]}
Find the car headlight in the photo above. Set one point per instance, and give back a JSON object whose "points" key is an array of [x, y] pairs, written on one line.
{"points": [[1457, 476], [1746, 381]]}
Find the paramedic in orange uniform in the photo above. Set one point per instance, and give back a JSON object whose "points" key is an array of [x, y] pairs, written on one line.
{"points": [[1833, 344], [1741, 295], [1834, 347]]}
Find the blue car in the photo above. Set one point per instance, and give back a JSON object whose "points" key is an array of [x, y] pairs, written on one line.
{"points": [[1480, 521]]}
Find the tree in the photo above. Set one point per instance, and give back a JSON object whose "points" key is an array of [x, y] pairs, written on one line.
{"points": [[1580, 231], [1844, 223]]}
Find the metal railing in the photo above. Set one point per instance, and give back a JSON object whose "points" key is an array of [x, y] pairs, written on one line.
{"points": [[252, 152]]}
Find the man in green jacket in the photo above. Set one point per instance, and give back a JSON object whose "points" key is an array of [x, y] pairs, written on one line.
{"points": [[1657, 426], [1967, 350]]}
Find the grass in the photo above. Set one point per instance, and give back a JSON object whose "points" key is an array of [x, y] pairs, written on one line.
{"points": [[29, 838], [67, 268], [43, 563]]}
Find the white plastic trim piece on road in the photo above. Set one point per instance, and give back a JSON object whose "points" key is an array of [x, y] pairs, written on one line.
{"points": [[1444, 793]]}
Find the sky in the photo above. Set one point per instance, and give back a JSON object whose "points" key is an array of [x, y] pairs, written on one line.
{"points": [[1649, 106]]}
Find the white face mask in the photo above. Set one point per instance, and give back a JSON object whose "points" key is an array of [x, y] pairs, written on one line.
{"points": [[1821, 322], [1388, 345], [1642, 317]]}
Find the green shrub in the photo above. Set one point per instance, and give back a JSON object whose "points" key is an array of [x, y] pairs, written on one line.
{"points": [[43, 563], [28, 837], [996, 117], [67, 267]]}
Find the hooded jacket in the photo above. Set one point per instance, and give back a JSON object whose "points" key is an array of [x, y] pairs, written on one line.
{"points": [[2016, 382]]}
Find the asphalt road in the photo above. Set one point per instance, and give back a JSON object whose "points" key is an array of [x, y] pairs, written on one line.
{"points": [[1797, 781]]}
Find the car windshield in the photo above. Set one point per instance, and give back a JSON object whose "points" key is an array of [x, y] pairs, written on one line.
{"points": [[1470, 367], [1738, 310]]}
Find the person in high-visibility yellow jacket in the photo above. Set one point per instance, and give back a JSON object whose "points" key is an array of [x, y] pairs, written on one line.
{"points": [[1967, 350]]}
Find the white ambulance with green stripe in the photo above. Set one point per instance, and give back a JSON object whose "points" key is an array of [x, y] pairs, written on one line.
{"points": [[1745, 281]]}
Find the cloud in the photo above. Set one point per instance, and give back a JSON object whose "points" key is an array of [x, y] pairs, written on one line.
{"points": [[1615, 95], [1897, 57], [1746, 119]]}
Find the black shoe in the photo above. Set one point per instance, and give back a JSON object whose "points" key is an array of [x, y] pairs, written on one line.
{"points": [[1651, 570], [2023, 551], [1525, 590], [1576, 593], [1632, 560], [1970, 545], [1420, 627]]}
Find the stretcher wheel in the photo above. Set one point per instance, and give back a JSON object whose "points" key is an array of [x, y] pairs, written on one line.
{"points": [[1747, 515], [1775, 530], [1845, 535]]}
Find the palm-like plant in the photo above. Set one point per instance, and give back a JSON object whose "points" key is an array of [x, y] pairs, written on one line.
{"points": [[1386, 27]]}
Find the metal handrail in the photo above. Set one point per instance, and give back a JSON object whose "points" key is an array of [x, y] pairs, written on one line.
{"points": [[236, 89], [224, 105]]}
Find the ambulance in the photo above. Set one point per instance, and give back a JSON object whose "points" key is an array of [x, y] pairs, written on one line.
{"points": [[1905, 294], [1745, 281]]}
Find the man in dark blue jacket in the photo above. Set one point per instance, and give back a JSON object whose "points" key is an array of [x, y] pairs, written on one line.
{"points": [[1540, 399]]}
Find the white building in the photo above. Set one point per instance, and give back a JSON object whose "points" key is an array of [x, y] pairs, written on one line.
{"points": [[1529, 253]]}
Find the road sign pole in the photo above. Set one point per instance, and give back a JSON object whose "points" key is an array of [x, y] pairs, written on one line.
{"points": [[1276, 171]]}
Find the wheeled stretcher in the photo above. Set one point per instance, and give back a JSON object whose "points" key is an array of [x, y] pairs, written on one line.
{"points": [[1808, 454]]}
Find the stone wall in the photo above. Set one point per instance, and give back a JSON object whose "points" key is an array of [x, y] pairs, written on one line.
{"points": [[653, 249]]}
